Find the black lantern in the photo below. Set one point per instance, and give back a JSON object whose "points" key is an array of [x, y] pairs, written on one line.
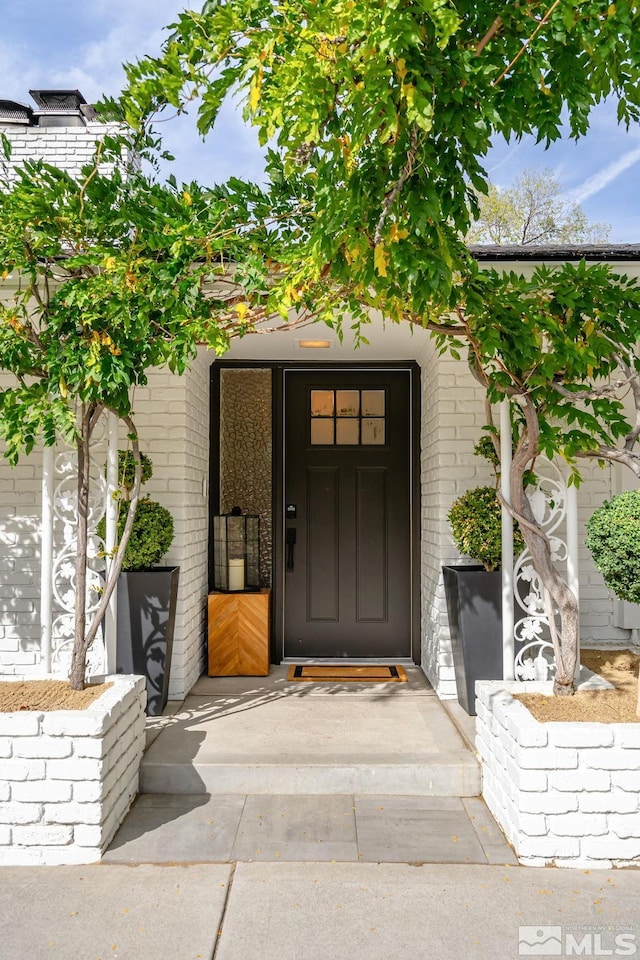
{"points": [[236, 552]]}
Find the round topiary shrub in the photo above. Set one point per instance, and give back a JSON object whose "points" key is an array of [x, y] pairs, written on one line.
{"points": [[151, 535], [152, 531], [127, 468], [476, 527], [613, 537]]}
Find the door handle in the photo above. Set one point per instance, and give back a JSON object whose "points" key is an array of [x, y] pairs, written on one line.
{"points": [[291, 540]]}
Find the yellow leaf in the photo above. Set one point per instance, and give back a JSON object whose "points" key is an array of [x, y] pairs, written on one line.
{"points": [[242, 310], [408, 92], [254, 92], [63, 388], [355, 253], [401, 68], [611, 10], [110, 263], [186, 196], [380, 260], [396, 234]]}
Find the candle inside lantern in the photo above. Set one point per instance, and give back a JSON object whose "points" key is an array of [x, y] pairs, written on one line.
{"points": [[236, 574]]}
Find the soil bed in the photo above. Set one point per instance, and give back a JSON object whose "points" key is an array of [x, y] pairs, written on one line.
{"points": [[47, 695], [619, 667]]}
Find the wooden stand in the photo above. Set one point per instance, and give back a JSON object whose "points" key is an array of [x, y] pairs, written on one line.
{"points": [[238, 634]]}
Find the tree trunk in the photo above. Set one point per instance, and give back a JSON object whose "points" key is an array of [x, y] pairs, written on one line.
{"points": [[116, 566], [565, 641], [83, 638], [78, 658]]}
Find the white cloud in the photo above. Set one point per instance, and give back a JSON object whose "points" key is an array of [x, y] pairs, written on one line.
{"points": [[18, 73], [89, 56], [603, 177], [98, 69], [508, 157]]}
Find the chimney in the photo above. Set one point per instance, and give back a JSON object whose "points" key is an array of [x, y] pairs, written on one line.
{"points": [[61, 108]]}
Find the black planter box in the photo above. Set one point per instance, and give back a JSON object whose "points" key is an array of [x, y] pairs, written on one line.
{"points": [[474, 606], [146, 620]]}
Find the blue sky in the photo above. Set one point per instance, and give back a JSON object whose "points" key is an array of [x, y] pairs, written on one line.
{"points": [[82, 43]]}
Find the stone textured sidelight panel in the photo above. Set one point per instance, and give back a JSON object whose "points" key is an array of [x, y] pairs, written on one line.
{"points": [[245, 451]]}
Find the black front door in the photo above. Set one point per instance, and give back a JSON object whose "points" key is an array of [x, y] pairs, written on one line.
{"points": [[347, 514]]}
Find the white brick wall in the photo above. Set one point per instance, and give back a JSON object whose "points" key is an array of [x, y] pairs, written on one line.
{"points": [[20, 509], [67, 778], [452, 419], [172, 415], [564, 793], [68, 148], [20, 488]]}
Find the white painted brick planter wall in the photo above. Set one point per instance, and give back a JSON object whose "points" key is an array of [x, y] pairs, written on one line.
{"points": [[564, 793], [68, 777]]}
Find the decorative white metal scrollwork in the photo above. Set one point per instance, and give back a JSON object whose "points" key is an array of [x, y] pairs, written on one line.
{"points": [[65, 511], [534, 657]]}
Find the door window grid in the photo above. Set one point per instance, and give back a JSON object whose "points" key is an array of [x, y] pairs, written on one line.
{"points": [[348, 418]]}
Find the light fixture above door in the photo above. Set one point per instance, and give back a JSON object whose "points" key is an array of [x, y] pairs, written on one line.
{"points": [[315, 344]]}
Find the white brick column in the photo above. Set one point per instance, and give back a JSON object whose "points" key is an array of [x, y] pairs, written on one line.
{"points": [[452, 419]]}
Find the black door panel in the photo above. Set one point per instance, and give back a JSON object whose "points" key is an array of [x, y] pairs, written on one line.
{"points": [[347, 471]]}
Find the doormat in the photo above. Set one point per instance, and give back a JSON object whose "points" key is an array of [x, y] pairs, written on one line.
{"points": [[365, 674]]}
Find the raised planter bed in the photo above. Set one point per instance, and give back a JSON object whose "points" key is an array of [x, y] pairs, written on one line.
{"points": [[566, 794], [68, 777]]}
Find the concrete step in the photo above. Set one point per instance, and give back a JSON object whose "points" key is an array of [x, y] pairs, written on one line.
{"points": [[456, 776], [266, 735]]}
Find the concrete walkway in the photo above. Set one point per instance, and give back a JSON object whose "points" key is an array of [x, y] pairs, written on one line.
{"points": [[164, 828], [313, 911]]}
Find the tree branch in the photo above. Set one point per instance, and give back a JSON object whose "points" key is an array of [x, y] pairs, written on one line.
{"points": [[625, 457], [83, 188], [491, 32], [595, 393], [627, 367], [395, 191], [526, 43]]}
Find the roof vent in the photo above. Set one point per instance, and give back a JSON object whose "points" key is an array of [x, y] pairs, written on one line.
{"points": [[59, 108], [13, 112]]}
